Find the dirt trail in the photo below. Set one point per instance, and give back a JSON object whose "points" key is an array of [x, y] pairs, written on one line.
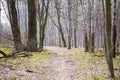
{"points": [[62, 63]]}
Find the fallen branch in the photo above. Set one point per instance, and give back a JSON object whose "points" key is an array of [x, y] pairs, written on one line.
{"points": [[4, 54], [15, 54]]}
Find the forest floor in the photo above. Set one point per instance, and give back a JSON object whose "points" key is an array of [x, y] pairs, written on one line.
{"points": [[57, 64]]}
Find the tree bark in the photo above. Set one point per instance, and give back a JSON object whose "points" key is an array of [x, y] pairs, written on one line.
{"points": [[42, 22], [92, 44], [32, 32], [114, 30], [14, 24], [69, 28], [109, 55], [86, 43]]}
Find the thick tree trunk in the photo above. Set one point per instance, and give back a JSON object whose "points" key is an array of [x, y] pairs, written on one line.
{"points": [[14, 24], [32, 32], [109, 54]]}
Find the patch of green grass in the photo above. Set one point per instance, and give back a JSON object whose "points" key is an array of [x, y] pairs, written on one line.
{"points": [[36, 56], [80, 54], [40, 55], [116, 61], [6, 49], [97, 78], [74, 50]]}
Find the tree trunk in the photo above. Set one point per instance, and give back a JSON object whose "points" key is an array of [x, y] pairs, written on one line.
{"points": [[92, 44], [32, 32], [42, 22], [114, 30], [109, 55], [59, 22], [86, 43], [14, 24], [103, 7], [63, 38], [69, 28], [75, 37]]}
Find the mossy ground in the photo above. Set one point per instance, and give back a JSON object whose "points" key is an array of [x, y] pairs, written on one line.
{"points": [[36, 55], [96, 62]]}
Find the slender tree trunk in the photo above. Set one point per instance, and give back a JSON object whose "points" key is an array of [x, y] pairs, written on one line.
{"points": [[92, 44], [86, 43], [75, 23], [109, 55], [60, 40], [63, 38], [90, 25], [85, 30], [114, 30], [103, 7], [42, 22], [57, 4], [69, 28], [14, 24], [91, 28], [32, 32], [75, 37]]}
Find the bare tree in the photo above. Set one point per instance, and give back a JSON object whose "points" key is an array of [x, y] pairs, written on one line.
{"points": [[42, 12], [57, 6]]}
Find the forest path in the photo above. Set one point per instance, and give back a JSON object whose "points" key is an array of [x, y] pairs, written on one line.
{"points": [[62, 63]]}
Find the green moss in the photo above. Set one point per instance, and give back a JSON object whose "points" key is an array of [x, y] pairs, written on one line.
{"points": [[40, 55], [116, 60], [79, 54], [97, 78], [6, 49], [36, 56]]}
